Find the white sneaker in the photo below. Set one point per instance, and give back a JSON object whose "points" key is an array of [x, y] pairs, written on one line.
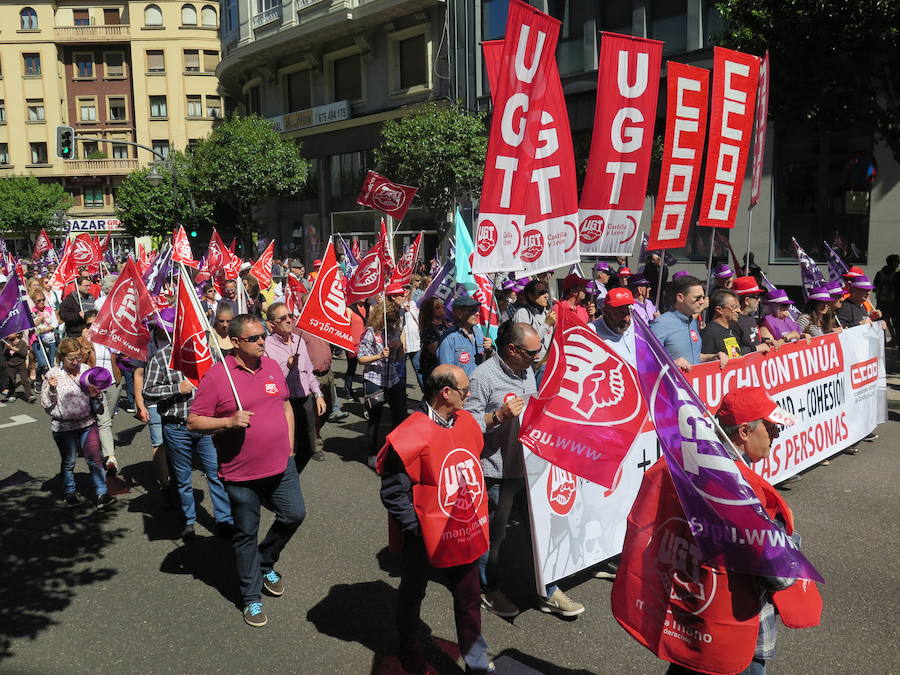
{"points": [[560, 604]]}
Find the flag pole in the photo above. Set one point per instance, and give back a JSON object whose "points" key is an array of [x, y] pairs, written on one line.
{"points": [[659, 281], [712, 243], [749, 229], [43, 349], [195, 303]]}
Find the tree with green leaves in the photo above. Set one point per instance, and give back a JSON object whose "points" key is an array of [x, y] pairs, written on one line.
{"points": [[244, 162], [155, 211], [27, 205], [835, 64], [439, 149]]}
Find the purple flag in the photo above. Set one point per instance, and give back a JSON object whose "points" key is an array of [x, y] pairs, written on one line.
{"points": [[810, 274], [156, 275], [14, 313], [730, 526], [352, 262], [836, 265], [444, 285]]}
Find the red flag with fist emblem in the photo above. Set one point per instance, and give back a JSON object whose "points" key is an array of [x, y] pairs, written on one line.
{"points": [[119, 324], [191, 354], [325, 312]]}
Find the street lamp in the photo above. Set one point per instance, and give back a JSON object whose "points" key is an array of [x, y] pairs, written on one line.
{"points": [[154, 177]]}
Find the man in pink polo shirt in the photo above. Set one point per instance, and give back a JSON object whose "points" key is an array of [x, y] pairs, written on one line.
{"points": [[255, 448]]}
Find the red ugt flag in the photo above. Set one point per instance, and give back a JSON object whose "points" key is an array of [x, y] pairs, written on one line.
{"points": [[294, 290], [181, 248], [325, 313], [392, 199], [262, 268], [407, 263], [119, 325], [218, 256], [190, 348], [372, 275], [84, 251], [41, 245]]}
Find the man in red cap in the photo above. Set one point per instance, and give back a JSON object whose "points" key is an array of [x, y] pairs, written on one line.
{"points": [[614, 325], [573, 296], [752, 421]]}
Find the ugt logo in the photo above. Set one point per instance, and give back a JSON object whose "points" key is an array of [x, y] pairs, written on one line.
{"points": [[460, 490], [561, 490], [387, 198]]}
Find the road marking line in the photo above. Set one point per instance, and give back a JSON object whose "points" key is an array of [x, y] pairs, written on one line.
{"points": [[17, 420]]}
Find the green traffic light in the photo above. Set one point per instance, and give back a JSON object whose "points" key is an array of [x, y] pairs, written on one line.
{"points": [[193, 233]]}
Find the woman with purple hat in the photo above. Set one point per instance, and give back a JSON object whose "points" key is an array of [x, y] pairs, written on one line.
{"points": [[67, 397], [818, 316], [777, 324], [723, 277], [643, 306]]}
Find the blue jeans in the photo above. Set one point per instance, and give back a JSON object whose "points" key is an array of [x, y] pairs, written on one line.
{"points": [[88, 441], [39, 354], [183, 445], [156, 435], [280, 494], [415, 358], [128, 375], [757, 667], [501, 494]]}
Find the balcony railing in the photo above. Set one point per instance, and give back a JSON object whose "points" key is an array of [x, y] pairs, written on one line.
{"points": [[115, 33], [267, 17], [96, 167]]}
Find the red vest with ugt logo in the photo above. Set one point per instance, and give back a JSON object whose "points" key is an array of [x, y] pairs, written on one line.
{"points": [[447, 485], [702, 617]]}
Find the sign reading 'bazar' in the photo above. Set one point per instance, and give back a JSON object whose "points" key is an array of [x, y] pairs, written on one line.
{"points": [[94, 224]]}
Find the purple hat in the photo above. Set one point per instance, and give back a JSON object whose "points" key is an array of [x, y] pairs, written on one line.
{"points": [[602, 267], [679, 274], [510, 285], [722, 271], [638, 280], [820, 293], [167, 315], [836, 288], [777, 297], [862, 282], [98, 376]]}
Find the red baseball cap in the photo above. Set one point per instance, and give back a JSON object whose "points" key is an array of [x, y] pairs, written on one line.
{"points": [[853, 272], [746, 286], [573, 281], [619, 297], [624, 272], [751, 403]]}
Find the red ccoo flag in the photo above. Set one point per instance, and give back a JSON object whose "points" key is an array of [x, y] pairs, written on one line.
{"points": [[181, 248], [119, 325], [262, 268], [325, 313], [190, 348], [380, 194]]}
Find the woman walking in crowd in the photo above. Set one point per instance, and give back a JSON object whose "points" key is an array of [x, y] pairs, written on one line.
{"points": [[384, 373], [45, 327], [818, 317], [256, 303], [433, 326], [777, 324], [73, 422]]}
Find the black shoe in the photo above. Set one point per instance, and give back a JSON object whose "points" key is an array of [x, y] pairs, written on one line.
{"points": [[104, 501], [188, 534], [318, 456], [73, 499], [853, 450]]}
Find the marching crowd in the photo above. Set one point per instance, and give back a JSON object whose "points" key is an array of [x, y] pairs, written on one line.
{"points": [[474, 388]]}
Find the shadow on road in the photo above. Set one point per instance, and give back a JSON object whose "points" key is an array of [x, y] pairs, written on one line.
{"points": [[210, 560], [49, 551], [514, 662]]}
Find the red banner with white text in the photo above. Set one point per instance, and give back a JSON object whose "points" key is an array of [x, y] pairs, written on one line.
{"points": [[325, 312], [686, 113], [735, 76], [615, 185], [762, 118], [119, 324], [509, 182]]}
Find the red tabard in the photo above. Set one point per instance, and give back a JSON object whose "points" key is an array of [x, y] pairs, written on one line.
{"points": [[447, 485], [701, 617]]}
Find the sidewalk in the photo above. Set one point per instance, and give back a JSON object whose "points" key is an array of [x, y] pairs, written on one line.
{"points": [[892, 367]]}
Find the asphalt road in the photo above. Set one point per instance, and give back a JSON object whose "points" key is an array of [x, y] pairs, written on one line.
{"points": [[89, 592]]}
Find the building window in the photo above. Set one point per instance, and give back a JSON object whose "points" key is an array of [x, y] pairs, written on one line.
{"points": [[213, 106], [111, 17], [210, 60], [713, 24], [161, 147], [28, 19], [412, 58], [668, 22], [208, 16], [156, 61], [81, 17], [38, 153], [84, 65], [297, 89], [192, 144], [158, 106], [347, 78], [87, 109], [615, 17], [115, 64], [191, 61], [265, 5], [119, 151], [188, 15], [229, 16], [35, 110], [118, 109], [93, 197], [90, 150], [347, 172], [32, 64], [493, 19], [253, 102], [152, 16], [2, 112], [194, 106], [4, 153]]}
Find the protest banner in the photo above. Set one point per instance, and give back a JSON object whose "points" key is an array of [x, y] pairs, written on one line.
{"points": [[41, 245], [762, 120], [407, 263], [217, 255], [373, 273], [15, 316], [190, 345], [615, 185], [835, 388]]}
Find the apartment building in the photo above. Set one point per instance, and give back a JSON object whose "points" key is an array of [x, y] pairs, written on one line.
{"points": [[131, 71]]}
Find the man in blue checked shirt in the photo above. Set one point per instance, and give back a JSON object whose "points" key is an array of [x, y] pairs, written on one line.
{"points": [[465, 346]]}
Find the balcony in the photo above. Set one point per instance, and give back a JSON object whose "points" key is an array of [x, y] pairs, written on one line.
{"points": [[114, 33], [100, 167], [266, 18]]}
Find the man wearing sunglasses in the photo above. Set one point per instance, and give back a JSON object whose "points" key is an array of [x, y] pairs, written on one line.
{"points": [[501, 386], [678, 329], [432, 485], [465, 346], [255, 445]]}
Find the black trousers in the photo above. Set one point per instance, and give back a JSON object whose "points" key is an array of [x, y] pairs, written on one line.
{"points": [[304, 429]]}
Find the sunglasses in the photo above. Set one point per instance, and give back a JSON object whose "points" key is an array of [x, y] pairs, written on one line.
{"points": [[223, 320], [286, 317], [462, 392], [531, 352], [541, 291], [252, 338]]}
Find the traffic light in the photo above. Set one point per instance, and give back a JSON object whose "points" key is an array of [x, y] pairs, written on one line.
{"points": [[193, 233], [65, 142]]}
